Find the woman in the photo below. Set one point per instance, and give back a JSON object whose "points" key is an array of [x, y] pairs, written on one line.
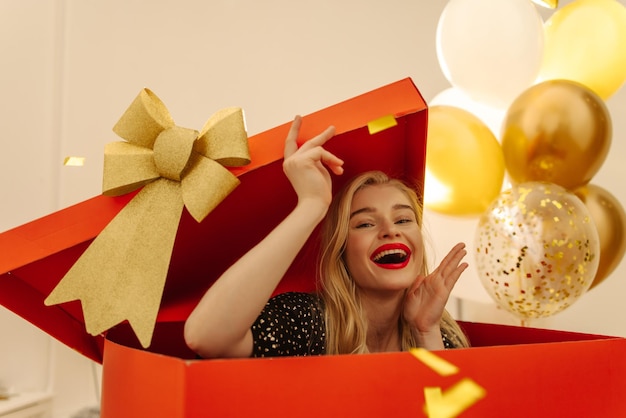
{"points": [[374, 294]]}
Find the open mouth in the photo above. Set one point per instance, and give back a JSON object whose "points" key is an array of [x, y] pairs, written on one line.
{"points": [[391, 256]]}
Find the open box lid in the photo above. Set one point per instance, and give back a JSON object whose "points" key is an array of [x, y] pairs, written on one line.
{"points": [[384, 129]]}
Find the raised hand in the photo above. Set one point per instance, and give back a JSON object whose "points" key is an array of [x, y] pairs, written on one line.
{"points": [[426, 299], [307, 167]]}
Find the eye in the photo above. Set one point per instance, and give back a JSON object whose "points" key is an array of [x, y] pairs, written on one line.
{"points": [[405, 220], [362, 225]]}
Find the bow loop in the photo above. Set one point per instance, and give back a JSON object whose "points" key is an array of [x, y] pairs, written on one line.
{"points": [[144, 120], [223, 138]]}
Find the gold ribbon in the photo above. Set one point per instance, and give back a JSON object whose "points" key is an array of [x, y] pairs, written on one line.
{"points": [[121, 275]]}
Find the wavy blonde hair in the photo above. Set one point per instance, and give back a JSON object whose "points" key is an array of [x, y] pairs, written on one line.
{"points": [[346, 327]]}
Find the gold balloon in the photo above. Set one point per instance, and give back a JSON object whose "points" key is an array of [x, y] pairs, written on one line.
{"points": [[585, 41], [557, 131], [610, 220], [464, 163], [537, 249]]}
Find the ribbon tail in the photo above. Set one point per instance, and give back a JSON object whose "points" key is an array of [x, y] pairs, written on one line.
{"points": [[121, 275]]}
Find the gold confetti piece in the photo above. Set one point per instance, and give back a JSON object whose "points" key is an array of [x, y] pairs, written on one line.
{"points": [[453, 401], [435, 362], [433, 397], [74, 161], [381, 124]]}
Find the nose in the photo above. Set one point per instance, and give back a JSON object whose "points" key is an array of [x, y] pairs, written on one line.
{"points": [[389, 229]]}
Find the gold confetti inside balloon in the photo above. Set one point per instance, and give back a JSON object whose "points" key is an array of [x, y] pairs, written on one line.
{"points": [[537, 249]]}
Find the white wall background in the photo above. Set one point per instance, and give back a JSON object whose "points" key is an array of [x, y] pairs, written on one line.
{"points": [[71, 67]]}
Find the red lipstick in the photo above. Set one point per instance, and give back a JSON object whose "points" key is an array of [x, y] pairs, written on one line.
{"points": [[391, 256]]}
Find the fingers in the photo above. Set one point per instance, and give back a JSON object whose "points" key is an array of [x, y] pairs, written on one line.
{"points": [[334, 163], [313, 146], [451, 266], [451, 279], [454, 257], [291, 141], [416, 284], [291, 146], [320, 139]]}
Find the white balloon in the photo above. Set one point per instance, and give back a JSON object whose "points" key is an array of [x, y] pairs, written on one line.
{"points": [[490, 49], [493, 117]]}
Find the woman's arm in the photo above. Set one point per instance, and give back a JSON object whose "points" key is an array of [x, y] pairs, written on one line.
{"points": [[220, 324]]}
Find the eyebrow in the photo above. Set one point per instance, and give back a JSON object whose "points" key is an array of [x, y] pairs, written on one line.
{"points": [[368, 209]]}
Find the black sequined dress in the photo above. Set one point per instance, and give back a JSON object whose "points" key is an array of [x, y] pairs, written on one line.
{"points": [[292, 324]]}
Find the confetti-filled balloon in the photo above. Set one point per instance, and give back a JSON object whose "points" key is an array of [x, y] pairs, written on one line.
{"points": [[610, 219], [558, 131], [537, 249], [585, 41], [464, 163], [490, 49]]}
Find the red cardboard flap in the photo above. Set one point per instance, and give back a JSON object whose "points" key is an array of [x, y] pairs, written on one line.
{"points": [[37, 255]]}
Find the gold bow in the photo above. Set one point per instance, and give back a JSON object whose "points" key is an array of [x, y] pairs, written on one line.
{"points": [[122, 273]]}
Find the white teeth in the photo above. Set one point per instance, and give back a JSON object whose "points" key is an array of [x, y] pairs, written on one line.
{"points": [[389, 252]]}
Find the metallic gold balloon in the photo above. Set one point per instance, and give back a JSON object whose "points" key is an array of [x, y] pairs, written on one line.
{"points": [[557, 131], [610, 219], [464, 163], [585, 41], [537, 249]]}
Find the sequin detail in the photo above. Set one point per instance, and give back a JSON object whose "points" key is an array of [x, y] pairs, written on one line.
{"points": [[292, 324]]}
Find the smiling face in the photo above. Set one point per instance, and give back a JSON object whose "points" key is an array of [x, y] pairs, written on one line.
{"points": [[384, 248]]}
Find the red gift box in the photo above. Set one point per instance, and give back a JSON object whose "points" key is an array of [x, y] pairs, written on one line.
{"points": [[524, 372]]}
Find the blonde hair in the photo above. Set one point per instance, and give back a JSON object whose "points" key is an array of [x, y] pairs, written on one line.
{"points": [[346, 327]]}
